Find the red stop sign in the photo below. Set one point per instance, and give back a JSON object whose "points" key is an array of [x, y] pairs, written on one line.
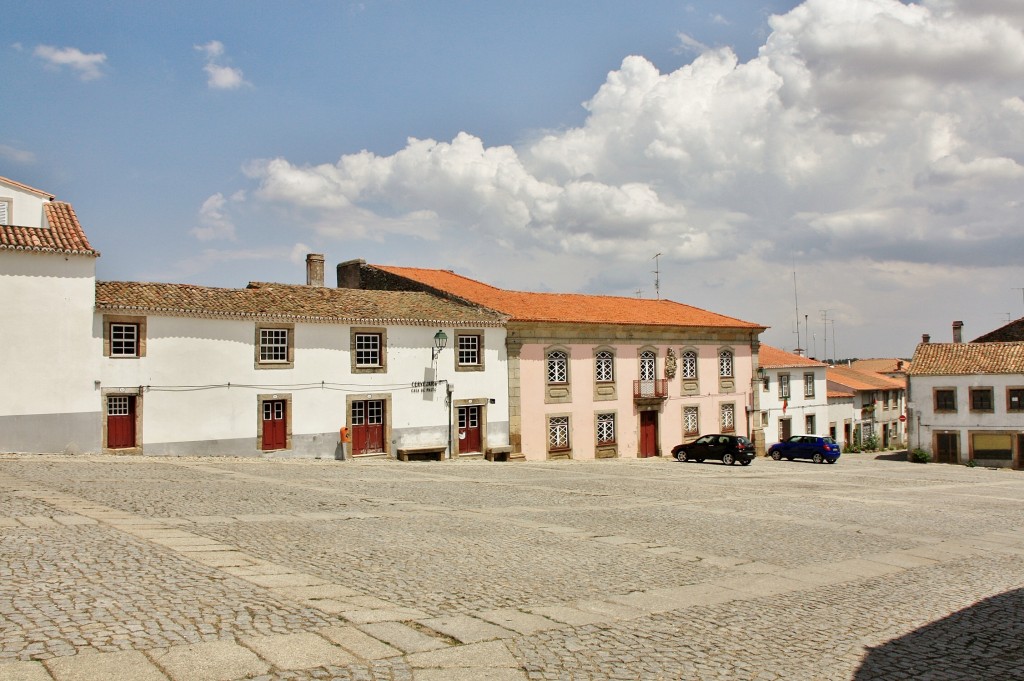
{"points": [[903, 418]]}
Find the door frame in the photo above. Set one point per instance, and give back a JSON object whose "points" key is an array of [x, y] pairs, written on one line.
{"points": [[369, 397], [480, 402], [656, 425], [935, 444], [275, 397], [136, 394]]}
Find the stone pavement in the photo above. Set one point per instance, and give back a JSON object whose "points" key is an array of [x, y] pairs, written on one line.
{"points": [[220, 569]]}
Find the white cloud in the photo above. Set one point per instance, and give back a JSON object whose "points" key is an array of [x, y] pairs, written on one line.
{"points": [[864, 131], [16, 155], [87, 66], [218, 75], [214, 222], [689, 45]]}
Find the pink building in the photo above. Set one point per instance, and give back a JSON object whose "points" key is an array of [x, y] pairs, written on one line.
{"points": [[603, 376]]}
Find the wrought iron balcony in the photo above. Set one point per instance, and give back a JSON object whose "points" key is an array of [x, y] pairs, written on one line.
{"points": [[653, 389]]}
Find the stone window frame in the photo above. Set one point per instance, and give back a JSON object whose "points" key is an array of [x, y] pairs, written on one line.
{"points": [[935, 399], [469, 333], [646, 354], [689, 386], [809, 384], [567, 449], [611, 365], [723, 409], [785, 390], [140, 342], [722, 352], [258, 361], [695, 408], [605, 415], [382, 333], [979, 391], [548, 352]]}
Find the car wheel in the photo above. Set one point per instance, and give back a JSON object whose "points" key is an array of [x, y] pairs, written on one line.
{"points": [[745, 462], [728, 459], [681, 455], [777, 456], [817, 458]]}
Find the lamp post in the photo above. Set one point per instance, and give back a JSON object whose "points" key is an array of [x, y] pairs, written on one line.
{"points": [[440, 341]]}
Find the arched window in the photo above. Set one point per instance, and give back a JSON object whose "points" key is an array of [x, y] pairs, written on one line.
{"points": [[604, 367], [558, 367], [690, 364], [725, 364], [648, 365]]}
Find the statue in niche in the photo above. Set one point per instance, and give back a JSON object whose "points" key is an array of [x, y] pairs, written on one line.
{"points": [[670, 364]]}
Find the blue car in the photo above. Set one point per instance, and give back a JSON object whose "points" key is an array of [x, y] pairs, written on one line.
{"points": [[817, 449]]}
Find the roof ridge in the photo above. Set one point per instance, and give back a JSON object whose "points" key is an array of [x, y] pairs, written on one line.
{"points": [[26, 187]]}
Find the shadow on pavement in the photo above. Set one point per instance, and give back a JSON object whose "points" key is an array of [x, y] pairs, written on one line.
{"points": [[984, 641], [892, 456]]}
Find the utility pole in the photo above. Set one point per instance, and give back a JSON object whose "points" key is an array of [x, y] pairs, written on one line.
{"points": [[796, 305], [824, 325]]}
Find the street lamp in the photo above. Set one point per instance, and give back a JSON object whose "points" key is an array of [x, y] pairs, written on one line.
{"points": [[440, 341]]}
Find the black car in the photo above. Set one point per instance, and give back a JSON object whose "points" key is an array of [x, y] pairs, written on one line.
{"points": [[726, 448]]}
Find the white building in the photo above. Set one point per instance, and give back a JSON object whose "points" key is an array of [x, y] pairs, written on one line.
{"points": [[967, 402], [50, 363], [878, 403], [793, 398], [283, 368]]}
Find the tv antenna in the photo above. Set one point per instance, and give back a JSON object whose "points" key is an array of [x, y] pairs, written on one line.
{"points": [[657, 277]]}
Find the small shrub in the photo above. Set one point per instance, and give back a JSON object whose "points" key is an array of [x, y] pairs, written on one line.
{"points": [[970, 463], [871, 444], [920, 456]]}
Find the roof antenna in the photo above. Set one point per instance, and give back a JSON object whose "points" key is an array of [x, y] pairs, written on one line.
{"points": [[657, 277], [796, 303]]}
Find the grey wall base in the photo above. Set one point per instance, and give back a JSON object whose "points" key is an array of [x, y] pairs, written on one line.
{"points": [[77, 433]]}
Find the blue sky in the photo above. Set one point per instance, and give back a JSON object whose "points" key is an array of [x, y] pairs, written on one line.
{"points": [[874, 147]]}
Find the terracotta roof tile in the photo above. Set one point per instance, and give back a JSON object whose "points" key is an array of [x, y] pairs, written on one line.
{"points": [[959, 359], [1014, 331], [63, 235], [886, 365], [772, 358], [569, 307], [845, 377], [286, 301]]}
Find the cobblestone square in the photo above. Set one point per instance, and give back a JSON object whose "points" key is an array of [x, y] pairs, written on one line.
{"points": [[221, 568]]}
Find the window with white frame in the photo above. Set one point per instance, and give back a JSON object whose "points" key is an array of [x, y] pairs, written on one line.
{"points": [[691, 421], [689, 362], [368, 349], [728, 417], [273, 345], [725, 364], [124, 340], [648, 366], [783, 386], [606, 429], [558, 433], [6, 205], [558, 367], [468, 350], [809, 384], [604, 367]]}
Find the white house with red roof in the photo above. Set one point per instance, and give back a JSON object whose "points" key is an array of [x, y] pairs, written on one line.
{"points": [[966, 402], [794, 396], [603, 376], [877, 404], [50, 366]]}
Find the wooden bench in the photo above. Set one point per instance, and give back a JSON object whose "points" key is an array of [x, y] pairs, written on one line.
{"points": [[422, 453]]}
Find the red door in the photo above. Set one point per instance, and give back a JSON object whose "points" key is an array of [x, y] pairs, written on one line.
{"points": [[275, 428], [648, 434], [367, 427], [120, 421], [469, 429]]}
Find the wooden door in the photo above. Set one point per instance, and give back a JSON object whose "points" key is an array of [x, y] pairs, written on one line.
{"points": [[648, 434], [120, 421], [947, 447], [367, 427], [785, 428], [469, 429], [275, 425]]}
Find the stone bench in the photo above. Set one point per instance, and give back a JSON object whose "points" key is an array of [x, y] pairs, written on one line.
{"points": [[499, 453], [421, 453]]}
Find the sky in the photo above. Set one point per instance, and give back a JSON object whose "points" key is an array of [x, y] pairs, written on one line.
{"points": [[848, 173]]}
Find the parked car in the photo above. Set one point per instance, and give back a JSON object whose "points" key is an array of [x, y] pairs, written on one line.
{"points": [[817, 449], [726, 448]]}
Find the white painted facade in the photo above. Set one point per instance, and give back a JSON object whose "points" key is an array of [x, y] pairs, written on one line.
{"points": [[199, 387], [805, 406]]}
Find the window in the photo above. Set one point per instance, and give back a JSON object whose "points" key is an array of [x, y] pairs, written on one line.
{"points": [[1015, 399], [766, 383], [783, 386], [725, 364], [728, 419], [981, 399], [368, 348], [558, 433], [275, 346], [469, 354], [604, 367], [6, 210], [764, 419], [124, 340], [606, 429], [558, 367], [809, 424], [691, 422], [809, 385], [648, 366], [124, 337], [689, 365], [945, 399]]}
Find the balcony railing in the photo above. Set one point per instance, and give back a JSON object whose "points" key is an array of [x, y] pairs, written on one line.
{"points": [[655, 388]]}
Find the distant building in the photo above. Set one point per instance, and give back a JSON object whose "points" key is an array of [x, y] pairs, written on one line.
{"points": [[878, 404], [794, 398]]}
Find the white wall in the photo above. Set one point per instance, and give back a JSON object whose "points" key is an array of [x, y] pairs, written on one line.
{"points": [[798, 407], [26, 208], [50, 359]]}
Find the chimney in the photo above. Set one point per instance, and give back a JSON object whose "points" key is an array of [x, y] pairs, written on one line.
{"points": [[925, 338], [350, 274], [315, 269], [957, 335]]}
